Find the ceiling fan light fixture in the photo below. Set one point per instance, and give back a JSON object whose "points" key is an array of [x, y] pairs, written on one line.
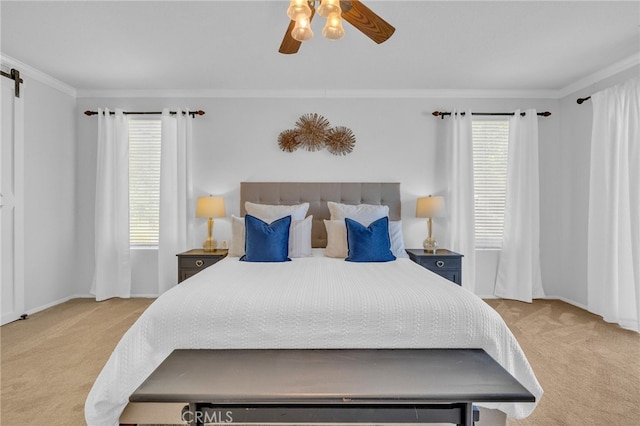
{"points": [[333, 29], [302, 30], [297, 8], [328, 7], [301, 13]]}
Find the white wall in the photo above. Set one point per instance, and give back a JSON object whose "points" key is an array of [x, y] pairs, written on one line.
{"points": [[398, 140], [49, 198]]}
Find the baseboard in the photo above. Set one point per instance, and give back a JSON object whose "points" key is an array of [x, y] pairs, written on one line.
{"points": [[565, 300], [154, 296], [79, 296], [82, 296], [92, 296], [562, 299], [488, 296], [48, 305]]}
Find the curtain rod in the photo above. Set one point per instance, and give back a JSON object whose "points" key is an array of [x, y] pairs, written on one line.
{"points": [[191, 113], [442, 114], [581, 100], [14, 75]]}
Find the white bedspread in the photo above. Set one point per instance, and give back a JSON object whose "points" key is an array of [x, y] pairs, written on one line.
{"points": [[314, 302]]}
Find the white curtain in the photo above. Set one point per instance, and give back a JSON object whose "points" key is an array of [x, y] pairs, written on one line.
{"points": [[613, 278], [459, 202], [176, 212], [112, 276], [519, 275]]}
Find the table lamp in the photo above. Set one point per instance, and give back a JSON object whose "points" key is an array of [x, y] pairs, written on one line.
{"points": [[210, 207], [430, 207]]}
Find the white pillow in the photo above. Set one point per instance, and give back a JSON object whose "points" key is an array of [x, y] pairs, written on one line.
{"points": [[236, 246], [337, 239], [363, 213], [299, 237], [269, 213], [397, 240]]}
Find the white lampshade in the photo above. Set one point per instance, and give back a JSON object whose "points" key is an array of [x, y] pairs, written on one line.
{"points": [[430, 206], [210, 207]]}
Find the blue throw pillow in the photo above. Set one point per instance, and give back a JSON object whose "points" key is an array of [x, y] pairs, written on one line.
{"points": [[266, 242], [369, 244]]}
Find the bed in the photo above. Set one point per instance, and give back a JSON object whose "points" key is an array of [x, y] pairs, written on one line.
{"points": [[310, 302]]}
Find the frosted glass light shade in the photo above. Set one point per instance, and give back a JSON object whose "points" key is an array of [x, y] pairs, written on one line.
{"points": [[302, 30], [333, 29], [297, 8], [328, 7]]}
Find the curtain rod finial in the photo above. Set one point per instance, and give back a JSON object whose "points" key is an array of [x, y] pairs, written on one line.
{"points": [[89, 113]]}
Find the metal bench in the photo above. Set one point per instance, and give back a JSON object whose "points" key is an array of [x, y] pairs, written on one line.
{"points": [[330, 386]]}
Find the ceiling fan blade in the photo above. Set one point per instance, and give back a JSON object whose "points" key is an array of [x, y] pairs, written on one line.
{"points": [[289, 44], [366, 20]]}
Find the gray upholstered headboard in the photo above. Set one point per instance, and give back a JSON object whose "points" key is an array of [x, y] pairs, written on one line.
{"points": [[317, 195]]}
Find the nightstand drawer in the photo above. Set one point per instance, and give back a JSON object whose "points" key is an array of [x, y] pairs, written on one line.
{"points": [[193, 262], [445, 263], [440, 263]]}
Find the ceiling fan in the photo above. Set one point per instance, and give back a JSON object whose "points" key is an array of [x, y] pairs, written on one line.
{"points": [[301, 12]]}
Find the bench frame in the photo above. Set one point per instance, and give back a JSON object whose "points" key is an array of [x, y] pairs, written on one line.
{"points": [[330, 386]]}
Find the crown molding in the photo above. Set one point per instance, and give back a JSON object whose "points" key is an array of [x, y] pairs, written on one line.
{"points": [[320, 93], [29, 71], [600, 75]]}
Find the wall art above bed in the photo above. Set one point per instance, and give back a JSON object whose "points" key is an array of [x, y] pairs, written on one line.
{"points": [[313, 133]]}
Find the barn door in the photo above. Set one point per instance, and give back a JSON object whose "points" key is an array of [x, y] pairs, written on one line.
{"points": [[11, 201]]}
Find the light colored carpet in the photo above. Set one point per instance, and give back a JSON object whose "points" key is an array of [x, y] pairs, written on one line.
{"points": [[590, 370], [50, 360]]}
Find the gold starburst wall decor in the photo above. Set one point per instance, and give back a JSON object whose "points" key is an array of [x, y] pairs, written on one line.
{"points": [[313, 132], [340, 140], [287, 140]]}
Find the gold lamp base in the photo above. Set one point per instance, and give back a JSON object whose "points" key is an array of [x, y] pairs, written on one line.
{"points": [[209, 245], [430, 245]]}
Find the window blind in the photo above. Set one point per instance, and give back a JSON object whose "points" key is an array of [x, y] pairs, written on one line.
{"points": [[490, 148], [144, 181]]}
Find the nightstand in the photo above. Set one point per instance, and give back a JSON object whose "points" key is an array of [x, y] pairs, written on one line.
{"points": [[444, 263], [193, 261]]}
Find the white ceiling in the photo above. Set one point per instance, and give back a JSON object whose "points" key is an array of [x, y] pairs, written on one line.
{"points": [[233, 45]]}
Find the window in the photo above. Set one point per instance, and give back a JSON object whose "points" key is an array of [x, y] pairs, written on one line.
{"points": [[144, 181], [490, 143]]}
